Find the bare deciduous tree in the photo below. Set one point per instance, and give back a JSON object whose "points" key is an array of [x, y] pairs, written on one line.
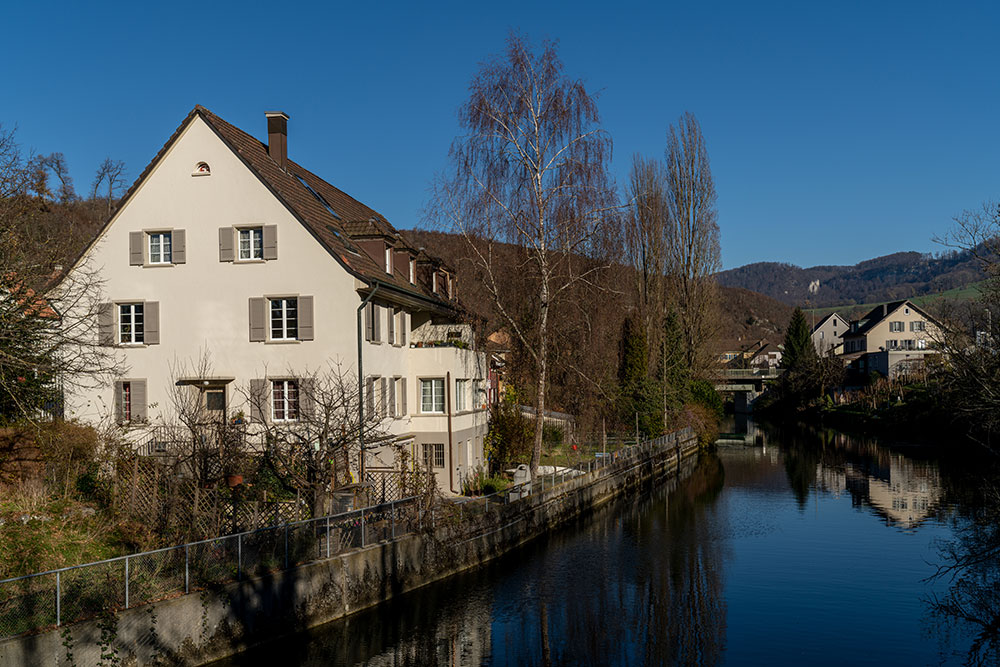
{"points": [[47, 317], [111, 179], [693, 252], [530, 170], [316, 452]]}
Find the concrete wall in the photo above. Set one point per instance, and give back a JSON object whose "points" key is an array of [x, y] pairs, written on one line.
{"points": [[201, 627]]}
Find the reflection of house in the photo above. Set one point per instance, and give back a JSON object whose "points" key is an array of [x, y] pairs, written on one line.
{"points": [[908, 496], [225, 246], [891, 339], [827, 335]]}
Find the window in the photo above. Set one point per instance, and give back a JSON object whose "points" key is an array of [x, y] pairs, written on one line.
{"points": [[159, 248], [434, 455], [432, 396], [284, 400], [461, 401], [130, 401], [921, 344], [388, 259], [251, 243], [413, 271], [130, 329], [391, 321], [284, 319], [919, 325], [896, 326], [434, 282]]}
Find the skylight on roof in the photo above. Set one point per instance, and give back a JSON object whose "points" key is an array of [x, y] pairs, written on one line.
{"points": [[318, 197]]}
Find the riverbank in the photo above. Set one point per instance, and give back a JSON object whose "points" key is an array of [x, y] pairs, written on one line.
{"points": [[215, 623]]}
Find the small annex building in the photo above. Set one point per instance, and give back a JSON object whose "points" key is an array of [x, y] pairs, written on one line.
{"points": [[234, 275]]}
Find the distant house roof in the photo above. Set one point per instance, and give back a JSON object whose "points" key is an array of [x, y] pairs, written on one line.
{"points": [[826, 319], [880, 313], [333, 217]]}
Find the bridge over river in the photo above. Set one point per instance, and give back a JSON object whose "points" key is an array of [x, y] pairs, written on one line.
{"points": [[745, 383]]}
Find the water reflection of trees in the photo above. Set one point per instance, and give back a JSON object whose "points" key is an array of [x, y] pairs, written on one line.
{"points": [[970, 563]]}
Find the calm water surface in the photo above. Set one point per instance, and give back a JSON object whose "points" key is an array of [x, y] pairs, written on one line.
{"points": [[810, 549]]}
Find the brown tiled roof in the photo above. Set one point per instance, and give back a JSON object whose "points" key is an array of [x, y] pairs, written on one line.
{"points": [[334, 230]]}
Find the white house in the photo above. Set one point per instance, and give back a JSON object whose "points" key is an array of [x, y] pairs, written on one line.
{"points": [[226, 249]]}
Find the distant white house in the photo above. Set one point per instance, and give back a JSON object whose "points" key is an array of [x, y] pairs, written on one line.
{"points": [[828, 335]]}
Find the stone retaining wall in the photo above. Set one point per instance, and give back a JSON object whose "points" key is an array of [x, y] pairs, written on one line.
{"points": [[201, 627]]}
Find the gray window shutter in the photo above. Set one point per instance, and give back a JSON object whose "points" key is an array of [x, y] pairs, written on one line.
{"points": [[369, 321], [377, 326], [270, 242], [307, 398], [178, 246], [305, 318], [392, 396], [383, 403], [391, 321], [402, 395], [370, 396], [118, 401], [258, 400], [258, 319], [226, 253], [106, 324], [138, 400], [402, 327], [135, 254], [151, 322]]}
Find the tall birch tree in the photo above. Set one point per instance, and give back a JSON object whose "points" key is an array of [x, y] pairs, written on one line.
{"points": [[530, 170]]}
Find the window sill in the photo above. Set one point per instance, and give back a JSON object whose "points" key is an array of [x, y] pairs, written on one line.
{"points": [[250, 261], [132, 345], [161, 265], [291, 341]]}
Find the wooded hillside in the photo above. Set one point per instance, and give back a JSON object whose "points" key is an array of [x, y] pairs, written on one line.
{"points": [[901, 275]]}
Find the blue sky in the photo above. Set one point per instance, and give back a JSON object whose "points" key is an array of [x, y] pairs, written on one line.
{"points": [[837, 131]]}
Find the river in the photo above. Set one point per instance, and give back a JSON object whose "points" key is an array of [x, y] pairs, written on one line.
{"points": [[808, 548]]}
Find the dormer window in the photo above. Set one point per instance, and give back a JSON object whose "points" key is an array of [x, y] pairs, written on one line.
{"points": [[434, 282], [388, 259], [413, 271], [202, 169]]}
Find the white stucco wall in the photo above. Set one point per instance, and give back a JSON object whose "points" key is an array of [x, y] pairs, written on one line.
{"points": [[204, 303]]}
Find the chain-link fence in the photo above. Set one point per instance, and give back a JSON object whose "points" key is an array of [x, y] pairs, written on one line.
{"points": [[39, 601]]}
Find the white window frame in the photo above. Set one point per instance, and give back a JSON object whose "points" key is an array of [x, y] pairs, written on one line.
{"points": [[251, 232], [136, 332], [289, 409], [388, 259], [434, 396], [461, 394], [162, 257], [431, 452], [413, 271], [284, 327]]}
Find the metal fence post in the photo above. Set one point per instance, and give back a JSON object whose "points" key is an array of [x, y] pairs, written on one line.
{"points": [[58, 600], [126, 582], [392, 508], [362, 526], [286, 545], [433, 525], [187, 576], [487, 504], [239, 557], [328, 536]]}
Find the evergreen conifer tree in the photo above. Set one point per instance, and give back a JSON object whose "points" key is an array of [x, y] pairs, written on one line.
{"points": [[799, 350]]}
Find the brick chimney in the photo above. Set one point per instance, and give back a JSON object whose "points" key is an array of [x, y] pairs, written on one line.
{"points": [[277, 136]]}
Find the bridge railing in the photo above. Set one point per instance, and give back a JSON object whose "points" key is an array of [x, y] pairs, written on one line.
{"points": [[749, 373]]}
